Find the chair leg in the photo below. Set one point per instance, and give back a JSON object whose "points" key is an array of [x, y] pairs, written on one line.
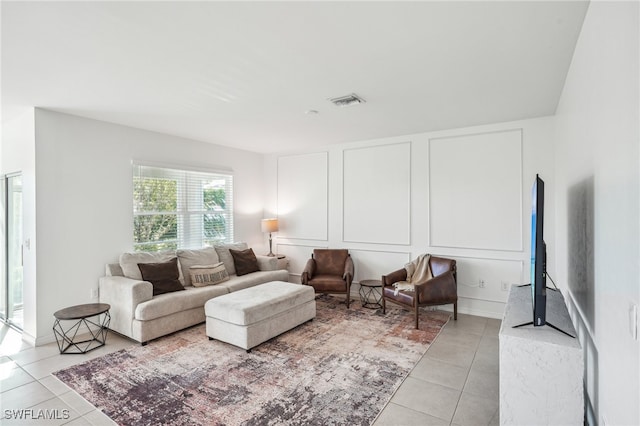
{"points": [[384, 304], [455, 311], [417, 312], [348, 294]]}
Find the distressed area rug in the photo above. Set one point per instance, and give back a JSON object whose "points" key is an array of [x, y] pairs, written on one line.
{"points": [[340, 368]]}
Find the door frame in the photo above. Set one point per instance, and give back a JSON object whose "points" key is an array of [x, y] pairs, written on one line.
{"points": [[4, 313]]}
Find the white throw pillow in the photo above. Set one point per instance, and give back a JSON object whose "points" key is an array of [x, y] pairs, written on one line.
{"points": [[189, 258], [204, 275]]}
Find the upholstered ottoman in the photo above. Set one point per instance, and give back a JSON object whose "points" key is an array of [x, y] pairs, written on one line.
{"points": [[248, 317]]}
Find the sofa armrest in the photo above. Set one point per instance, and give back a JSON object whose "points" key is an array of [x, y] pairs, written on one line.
{"points": [[394, 277], [267, 263], [309, 271], [349, 270], [437, 290], [124, 295]]}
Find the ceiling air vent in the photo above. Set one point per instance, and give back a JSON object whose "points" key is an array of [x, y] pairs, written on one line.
{"points": [[344, 101]]}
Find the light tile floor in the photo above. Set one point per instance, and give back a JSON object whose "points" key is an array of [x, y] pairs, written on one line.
{"points": [[455, 382]]}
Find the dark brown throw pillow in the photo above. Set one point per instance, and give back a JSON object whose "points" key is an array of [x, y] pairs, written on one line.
{"points": [[163, 276], [245, 261]]}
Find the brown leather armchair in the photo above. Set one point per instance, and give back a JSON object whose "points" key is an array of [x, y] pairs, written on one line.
{"points": [[329, 271], [442, 289]]}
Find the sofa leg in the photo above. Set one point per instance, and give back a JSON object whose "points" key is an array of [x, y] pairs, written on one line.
{"points": [[143, 343], [210, 338], [347, 300], [455, 311]]}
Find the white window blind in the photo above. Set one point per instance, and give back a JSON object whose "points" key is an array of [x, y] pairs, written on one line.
{"points": [[174, 208]]}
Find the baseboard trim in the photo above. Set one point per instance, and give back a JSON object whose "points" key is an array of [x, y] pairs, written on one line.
{"points": [[477, 312], [29, 339], [44, 340]]}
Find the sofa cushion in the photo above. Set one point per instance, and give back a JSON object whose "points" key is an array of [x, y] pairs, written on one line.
{"points": [[113, 270], [328, 283], [267, 263], [129, 261], [171, 303], [189, 258], [163, 276], [225, 256], [244, 261], [203, 275]]}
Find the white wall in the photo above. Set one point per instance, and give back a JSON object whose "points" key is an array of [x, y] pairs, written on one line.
{"points": [[597, 197], [84, 199], [398, 208], [18, 148]]}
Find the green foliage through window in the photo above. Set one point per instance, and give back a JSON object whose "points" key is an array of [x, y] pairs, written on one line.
{"points": [[215, 224], [180, 209]]}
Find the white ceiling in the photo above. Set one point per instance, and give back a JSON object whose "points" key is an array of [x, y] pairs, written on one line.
{"points": [[243, 74]]}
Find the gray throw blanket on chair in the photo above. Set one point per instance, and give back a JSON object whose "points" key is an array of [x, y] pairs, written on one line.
{"points": [[417, 271]]}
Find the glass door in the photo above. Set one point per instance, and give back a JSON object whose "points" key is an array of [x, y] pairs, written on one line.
{"points": [[11, 293], [3, 248]]}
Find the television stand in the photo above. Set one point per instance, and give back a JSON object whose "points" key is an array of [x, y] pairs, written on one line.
{"points": [[546, 323], [529, 285], [541, 370]]}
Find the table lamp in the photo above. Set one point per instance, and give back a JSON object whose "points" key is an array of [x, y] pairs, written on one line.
{"points": [[270, 225]]}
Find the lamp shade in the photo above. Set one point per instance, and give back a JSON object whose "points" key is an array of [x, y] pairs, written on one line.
{"points": [[269, 225]]}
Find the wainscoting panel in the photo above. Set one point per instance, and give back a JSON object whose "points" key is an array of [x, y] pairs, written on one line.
{"points": [[297, 255], [495, 273], [377, 194], [475, 191], [303, 196], [370, 264]]}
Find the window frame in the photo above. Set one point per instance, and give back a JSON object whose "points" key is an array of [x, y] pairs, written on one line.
{"points": [[191, 183]]}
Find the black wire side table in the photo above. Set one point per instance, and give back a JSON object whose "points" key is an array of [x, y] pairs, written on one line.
{"points": [[93, 330], [371, 294]]}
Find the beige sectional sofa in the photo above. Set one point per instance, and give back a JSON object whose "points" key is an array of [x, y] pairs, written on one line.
{"points": [[139, 315]]}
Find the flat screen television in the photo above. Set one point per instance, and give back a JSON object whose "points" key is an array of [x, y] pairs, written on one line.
{"points": [[539, 259], [538, 254]]}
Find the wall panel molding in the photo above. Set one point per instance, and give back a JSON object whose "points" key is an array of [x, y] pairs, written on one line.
{"points": [[303, 196], [297, 254], [475, 191], [372, 264], [377, 194], [493, 271]]}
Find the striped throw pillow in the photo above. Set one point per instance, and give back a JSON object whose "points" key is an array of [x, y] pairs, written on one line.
{"points": [[203, 275]]}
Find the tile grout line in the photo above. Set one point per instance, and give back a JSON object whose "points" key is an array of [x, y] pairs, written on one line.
{"points": [[409, 374], [475, 352], [463, 386]]}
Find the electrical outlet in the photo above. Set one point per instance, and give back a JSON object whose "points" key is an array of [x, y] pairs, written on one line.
{"points": [[94, 293], [481, 283], [505, 285]]}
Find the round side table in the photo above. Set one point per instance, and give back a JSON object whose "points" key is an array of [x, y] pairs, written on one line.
{"points": [[371, 294], [94, 332]]}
